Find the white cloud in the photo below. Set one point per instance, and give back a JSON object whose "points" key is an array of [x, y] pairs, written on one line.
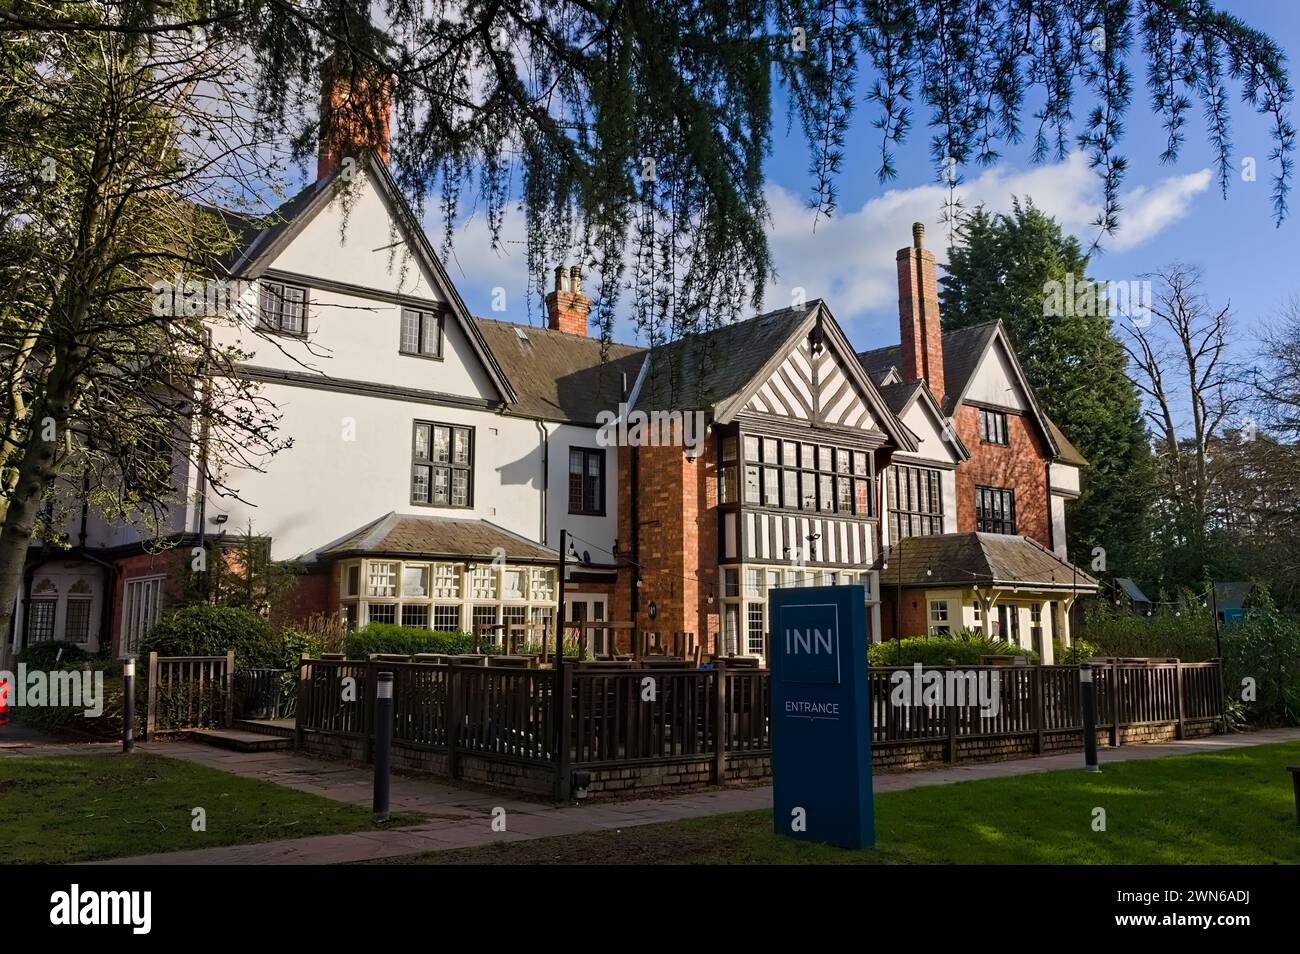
{"points": [[850, 259]]}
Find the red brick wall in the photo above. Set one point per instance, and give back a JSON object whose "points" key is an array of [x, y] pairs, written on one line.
{"points": [[1020, 465], [167, 563], [921, 340], [312, 593], [677, 516], [912, 619]]}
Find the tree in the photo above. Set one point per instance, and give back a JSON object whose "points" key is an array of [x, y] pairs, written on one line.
{"points": [[109, 383], [1181, 344], [1002, 268], [635, 132]]}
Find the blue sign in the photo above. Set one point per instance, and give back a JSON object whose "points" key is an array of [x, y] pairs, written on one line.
{"points": [[821, 720]]}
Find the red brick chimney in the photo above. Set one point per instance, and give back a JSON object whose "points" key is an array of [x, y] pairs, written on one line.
{"points": [[355, 104], [918, 314], [567, 307]]}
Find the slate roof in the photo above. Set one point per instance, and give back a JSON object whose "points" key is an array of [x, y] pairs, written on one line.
{"points": [[1069, 453], [559, 376], [899, 396], [989, 559], [962, 350], [403, 535], [700, 370], [1132, 590]]}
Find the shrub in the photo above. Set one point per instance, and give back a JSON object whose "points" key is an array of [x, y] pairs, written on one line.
{"points": [[205, 630], [53, 654], [1080, 651], [1264, 647], [964, 647], [1184, 632], [404, 641]]}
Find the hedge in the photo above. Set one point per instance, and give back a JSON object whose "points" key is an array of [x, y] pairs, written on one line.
{"points": [[405, 641], [963, 648]]}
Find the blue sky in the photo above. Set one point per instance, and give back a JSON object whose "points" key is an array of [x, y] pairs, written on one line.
{"points": [[1172, 213]]}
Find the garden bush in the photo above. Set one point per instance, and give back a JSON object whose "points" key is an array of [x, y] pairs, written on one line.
{"points": [[405, 641], [205, 630], [1185, 631], [964, 647], [53, 654], [1264, 647]]}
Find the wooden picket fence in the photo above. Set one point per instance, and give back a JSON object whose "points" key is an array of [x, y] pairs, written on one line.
{"points": [[614, 719], [189, 692]]}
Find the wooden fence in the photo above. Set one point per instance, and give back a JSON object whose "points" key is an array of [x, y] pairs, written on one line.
{"points": [[189, 692], [656, 718]]}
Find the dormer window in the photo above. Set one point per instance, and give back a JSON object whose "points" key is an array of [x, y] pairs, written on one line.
{"points": [[283, 309], [421, 333]]}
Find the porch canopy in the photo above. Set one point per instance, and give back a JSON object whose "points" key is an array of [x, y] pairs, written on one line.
{"points": [[965, 560]]}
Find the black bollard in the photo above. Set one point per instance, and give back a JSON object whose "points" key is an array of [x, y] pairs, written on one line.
{"points": [[128, 705], [1295, 783], [383, 743], [1089, 694]]}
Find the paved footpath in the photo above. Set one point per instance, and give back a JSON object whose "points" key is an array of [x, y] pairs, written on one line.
{"points": [[461, 818]]}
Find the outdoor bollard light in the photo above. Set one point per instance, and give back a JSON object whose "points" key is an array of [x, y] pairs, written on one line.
{"points": [[1089, 695], [128, 706], [383, 744], [581, 784]]}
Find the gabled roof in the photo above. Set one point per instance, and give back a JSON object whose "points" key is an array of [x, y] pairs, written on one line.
{"points": [[406, 535], [964, 350], [559, 376], [264, 239], [719, 370], [986, 559], [900, 398], [703, 369], [1069, 453], [1132, 590]]}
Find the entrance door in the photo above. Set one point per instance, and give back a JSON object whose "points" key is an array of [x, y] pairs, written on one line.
{"points": [[581, 608]]}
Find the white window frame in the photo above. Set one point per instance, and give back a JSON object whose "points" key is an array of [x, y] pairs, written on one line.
{"points": [[137, 622]]}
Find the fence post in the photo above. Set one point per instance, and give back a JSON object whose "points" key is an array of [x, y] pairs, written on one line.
{"points": [[1223, 698], [151, 717], [563, 757], [1178, 690], [1116, 699], [453, 717], [1040, 705], [950, 755], [719, 721], [230, 689], [302, 697]]}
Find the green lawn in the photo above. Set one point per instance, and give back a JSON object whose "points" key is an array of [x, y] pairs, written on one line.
{"points": [[1230, 808], [78, 808]]}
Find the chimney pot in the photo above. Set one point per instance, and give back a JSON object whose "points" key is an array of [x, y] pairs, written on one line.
{"points": [[918, 234], [567, 307], [575, 279]]}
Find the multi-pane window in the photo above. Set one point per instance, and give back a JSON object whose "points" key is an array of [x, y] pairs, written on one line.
{"points": [[446, 619], [995, 510], [993, 426], [415, 614], [421, 333], [76, 623], [484, 616], [939, 618], [794, 475], [586, 481], [442, 468], [40, 620], [283, 308], [382, 580], [383, 613], [141, 608], [754, 628], [915, 497]]}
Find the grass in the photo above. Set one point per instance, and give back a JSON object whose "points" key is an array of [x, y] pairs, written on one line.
{"points": [[1234, 807], [78, 808]]}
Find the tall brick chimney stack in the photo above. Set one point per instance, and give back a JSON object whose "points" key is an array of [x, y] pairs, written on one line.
{"points": [[918, 314], [355, 105], [567, 307]]}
